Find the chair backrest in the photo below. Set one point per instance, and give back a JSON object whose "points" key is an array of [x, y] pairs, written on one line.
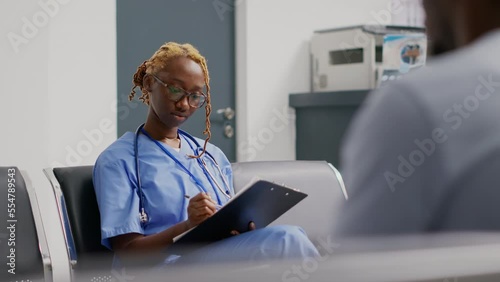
{"points": [[23, 243], [321, 181], [77, 202], [79, 211]]}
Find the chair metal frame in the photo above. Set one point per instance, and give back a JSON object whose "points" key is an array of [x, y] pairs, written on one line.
{"points": [[64, 219], [340, 180], [40, 229]]}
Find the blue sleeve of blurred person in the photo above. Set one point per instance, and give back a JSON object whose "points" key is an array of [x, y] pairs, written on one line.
{"points": [[387, 175]]}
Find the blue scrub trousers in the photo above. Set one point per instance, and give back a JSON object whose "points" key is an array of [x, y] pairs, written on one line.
{"points": [[270, 243]]}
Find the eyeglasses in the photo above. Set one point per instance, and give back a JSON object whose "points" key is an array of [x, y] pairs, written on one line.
{"points": [[175, 94]]}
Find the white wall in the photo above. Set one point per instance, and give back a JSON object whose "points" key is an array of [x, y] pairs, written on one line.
{"points": [[60, 81], [273, 61], [82, 82], [412, 13]]}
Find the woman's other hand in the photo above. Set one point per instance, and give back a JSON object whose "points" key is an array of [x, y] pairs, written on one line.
{"points": [[251, 226]]}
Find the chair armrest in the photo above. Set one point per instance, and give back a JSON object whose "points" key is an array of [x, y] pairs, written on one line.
{"points": [[63, 217], [40, 229]]}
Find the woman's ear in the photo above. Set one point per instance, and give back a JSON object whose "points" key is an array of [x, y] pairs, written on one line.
{"points": [[147, 83]]}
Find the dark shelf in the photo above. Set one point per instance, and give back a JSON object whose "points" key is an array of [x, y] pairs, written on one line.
{"points": [[321, 121], [322, 99]]}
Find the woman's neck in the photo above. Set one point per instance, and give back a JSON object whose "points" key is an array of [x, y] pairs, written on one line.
{"points": [[158, 131]]}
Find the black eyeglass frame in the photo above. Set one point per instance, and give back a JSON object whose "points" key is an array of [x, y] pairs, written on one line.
{"points": [[192, 97]]}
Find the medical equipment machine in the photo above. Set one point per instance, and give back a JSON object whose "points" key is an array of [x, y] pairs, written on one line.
{"points": [[363, 57]]}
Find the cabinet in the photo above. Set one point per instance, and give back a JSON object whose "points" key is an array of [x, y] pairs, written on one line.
{"points": [[321, 121]]}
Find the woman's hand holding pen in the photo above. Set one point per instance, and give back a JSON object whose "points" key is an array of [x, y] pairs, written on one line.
{"points": [[199, 209]]}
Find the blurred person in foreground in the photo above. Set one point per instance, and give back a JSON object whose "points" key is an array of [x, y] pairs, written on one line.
{"points": [[423, 154]]}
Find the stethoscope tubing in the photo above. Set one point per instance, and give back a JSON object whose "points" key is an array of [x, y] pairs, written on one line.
{"points": [[142, 214]]}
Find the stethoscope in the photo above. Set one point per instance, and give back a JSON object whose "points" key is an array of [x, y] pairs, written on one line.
{"points": [[197, 149]]}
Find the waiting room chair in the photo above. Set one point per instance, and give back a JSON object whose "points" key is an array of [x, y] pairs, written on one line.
{"points": [[319, 179], [23, 245], [79, 213]]}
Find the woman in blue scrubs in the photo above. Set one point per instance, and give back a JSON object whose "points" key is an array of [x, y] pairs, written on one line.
{"points": [[176, 191]]}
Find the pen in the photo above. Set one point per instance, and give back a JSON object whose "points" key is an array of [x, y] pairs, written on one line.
{"points": [[218, 207]]}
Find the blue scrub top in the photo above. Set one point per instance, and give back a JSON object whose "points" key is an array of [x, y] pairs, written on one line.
{"points": [[164, 184]]}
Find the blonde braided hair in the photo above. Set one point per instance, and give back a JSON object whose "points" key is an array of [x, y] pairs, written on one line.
{"points": [[158, 61]]}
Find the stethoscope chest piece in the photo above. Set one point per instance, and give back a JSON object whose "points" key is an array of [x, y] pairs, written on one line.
{"points": [[143, 216]]}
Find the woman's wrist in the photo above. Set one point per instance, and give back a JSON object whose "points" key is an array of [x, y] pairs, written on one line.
{"points": [[187, 225]]}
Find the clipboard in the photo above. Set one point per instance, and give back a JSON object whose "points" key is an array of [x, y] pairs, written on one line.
{"points": [[260, 201]]}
